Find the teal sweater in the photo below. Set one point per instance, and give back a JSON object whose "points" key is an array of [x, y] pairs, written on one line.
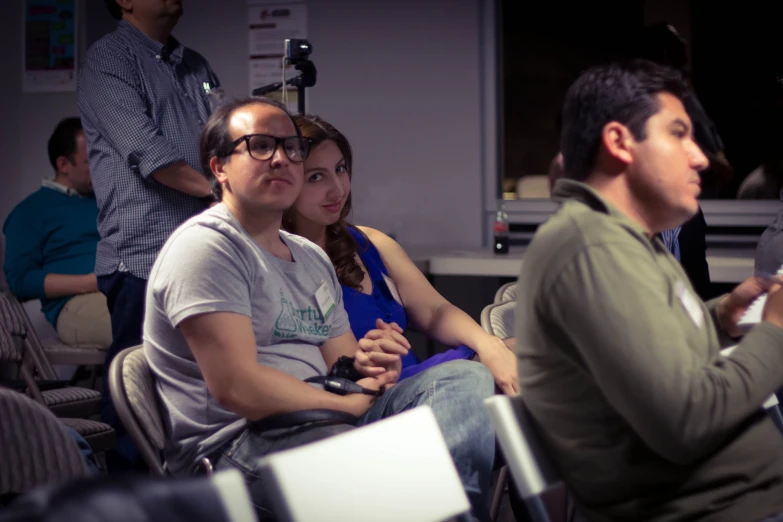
{"points": [[49, 233]]}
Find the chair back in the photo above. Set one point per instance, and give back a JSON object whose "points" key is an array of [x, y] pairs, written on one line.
{"points": [[525, 454], [132, 389], [498, 319], [35, 448], [506, 292], [16, 322], [9, 352], [318, 481]]}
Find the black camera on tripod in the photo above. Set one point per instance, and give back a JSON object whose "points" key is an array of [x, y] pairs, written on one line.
{"points": [[296, 53]]}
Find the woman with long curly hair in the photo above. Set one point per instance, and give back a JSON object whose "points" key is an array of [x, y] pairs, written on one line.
{"points": [[379, 280]]}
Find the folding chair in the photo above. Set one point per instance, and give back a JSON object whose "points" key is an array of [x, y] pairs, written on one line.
{"points": [[498, 319], [57, 353], [34, 446], [507, 292], [31, 361], [525, 454], [411, 478], [69, 403], [132, 389]]}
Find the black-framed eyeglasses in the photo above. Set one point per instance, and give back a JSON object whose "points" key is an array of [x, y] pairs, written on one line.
{"points": [[262, 147]]}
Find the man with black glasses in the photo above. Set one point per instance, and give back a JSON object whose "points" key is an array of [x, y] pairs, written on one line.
{"points": [[241, 317]]}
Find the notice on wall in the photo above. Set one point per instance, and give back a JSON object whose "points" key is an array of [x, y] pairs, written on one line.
{"points": [[270, 23], [49, 46]]}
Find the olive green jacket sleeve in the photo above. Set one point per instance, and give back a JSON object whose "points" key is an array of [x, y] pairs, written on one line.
{"points": [[657, 363], [723, 338]]}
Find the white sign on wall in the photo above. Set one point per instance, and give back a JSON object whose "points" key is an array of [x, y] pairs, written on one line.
{"points": [[270, 23]]}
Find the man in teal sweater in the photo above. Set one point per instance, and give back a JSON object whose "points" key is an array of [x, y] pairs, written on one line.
{"points": [[51, 239]]}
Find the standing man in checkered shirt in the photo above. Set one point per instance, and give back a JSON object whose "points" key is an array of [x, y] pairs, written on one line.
{"points": [[143, 98]]}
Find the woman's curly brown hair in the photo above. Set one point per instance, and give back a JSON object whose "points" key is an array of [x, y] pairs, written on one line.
{"points": [[341, 247]]}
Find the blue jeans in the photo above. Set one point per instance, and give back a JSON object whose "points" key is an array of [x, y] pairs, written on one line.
{"points": [[85, 450], [454, 354], [454, 390]]}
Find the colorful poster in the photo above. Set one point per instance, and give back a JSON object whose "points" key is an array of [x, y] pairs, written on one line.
{"points": [[49, 46]]}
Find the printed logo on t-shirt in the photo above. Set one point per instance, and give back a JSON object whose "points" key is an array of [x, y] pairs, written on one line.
{"points": [[296, 322]]}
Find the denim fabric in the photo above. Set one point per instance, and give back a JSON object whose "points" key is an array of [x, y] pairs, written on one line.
{"points": [[454, 390], [85, 450]]}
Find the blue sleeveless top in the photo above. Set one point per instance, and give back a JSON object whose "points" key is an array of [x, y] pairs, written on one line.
{"points": [[363, 309]]}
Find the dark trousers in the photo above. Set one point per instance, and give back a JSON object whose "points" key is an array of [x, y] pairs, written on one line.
{"points": [[125, 296]]}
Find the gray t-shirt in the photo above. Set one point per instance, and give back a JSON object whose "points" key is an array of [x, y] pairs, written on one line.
{"points": [[211, 264]]}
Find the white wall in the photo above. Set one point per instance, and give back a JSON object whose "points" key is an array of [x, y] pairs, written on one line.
{"points": [[399, 77], [28, 119]]}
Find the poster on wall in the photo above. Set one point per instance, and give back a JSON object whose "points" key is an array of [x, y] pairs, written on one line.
{"points": [[49, 46], [270, 23]]}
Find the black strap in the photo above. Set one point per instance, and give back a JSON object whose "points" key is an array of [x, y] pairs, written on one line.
{"points": [[298, 418], [342, 386]]}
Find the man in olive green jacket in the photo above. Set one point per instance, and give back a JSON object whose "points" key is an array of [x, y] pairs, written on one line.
{"points": [[619, 360]]}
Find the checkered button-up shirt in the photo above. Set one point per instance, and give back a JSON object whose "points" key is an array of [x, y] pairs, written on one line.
{"points": [[142, 105]]}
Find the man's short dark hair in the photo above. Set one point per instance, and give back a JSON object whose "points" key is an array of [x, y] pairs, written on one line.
{"points": [[621, 92], [62, 142], [216, 137], [114, 8]]}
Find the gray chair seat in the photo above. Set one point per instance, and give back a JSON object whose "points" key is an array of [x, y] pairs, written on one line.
{"points": [[72, 401], [99, 436], [83, 355]]}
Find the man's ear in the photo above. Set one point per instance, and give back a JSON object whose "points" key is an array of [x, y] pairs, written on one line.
{"points": [[216, 166], [618, 142], [126, 5], [63, 165]]}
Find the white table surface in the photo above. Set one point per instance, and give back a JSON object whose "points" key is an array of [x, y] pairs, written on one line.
{"points": [[727, 265]]}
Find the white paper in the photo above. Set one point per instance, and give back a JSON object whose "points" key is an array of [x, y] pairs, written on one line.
{"points": [[753, 314], [405, 454], [270, 24]]}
